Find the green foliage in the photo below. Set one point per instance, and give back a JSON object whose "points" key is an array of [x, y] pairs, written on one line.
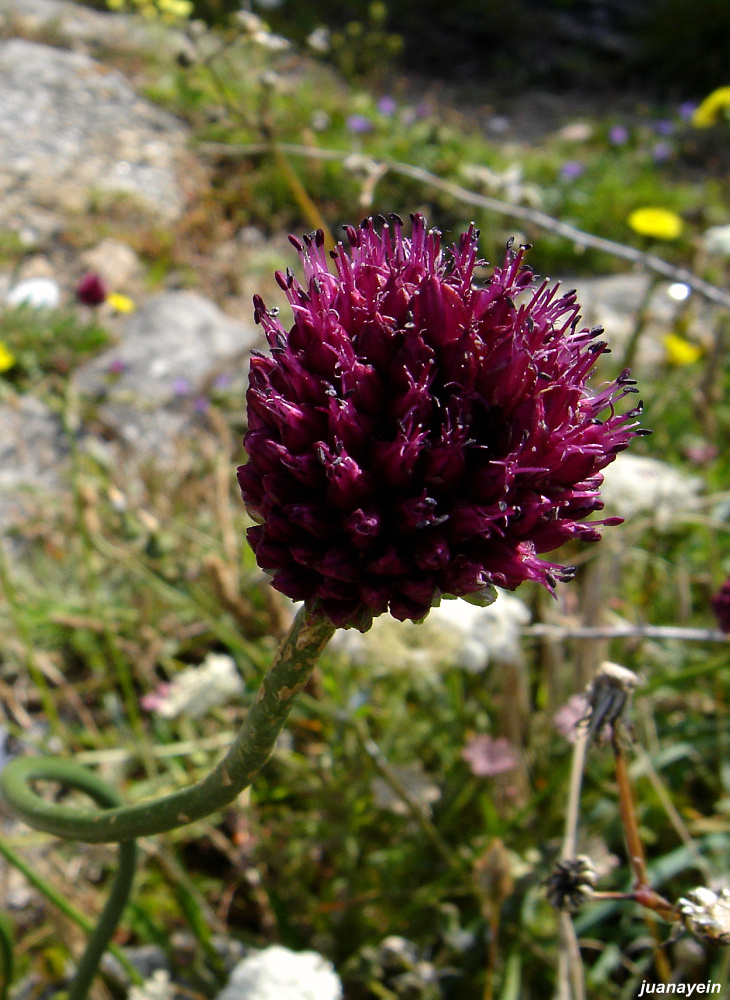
{"points": [[591, 181], [363, 50], [46, 344]]}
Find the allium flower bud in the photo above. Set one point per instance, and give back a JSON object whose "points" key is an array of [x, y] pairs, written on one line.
{"points": [[91, 290], [414, 435], [721, 606]]}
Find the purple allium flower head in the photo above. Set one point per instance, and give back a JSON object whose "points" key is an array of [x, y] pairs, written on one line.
{"points": [[721, 606], [414, 435], [91, 290]]}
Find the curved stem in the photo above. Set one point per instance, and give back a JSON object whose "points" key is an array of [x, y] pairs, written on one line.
{"points": [[57, 898], [107, 924], [107, 797], [289, 673]]}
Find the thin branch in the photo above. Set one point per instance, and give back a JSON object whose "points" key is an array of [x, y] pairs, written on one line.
{"points": [[570, 838], [570, 979], [673, 815], [635, 256], [411, 801], [554, 633]]}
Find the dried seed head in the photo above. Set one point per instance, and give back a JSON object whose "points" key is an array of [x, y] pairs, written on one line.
{"points": [[608, 696], [571, 883]]}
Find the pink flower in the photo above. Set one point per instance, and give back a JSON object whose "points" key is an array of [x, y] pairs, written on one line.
{"points": [[487, 756], [414, 435], [568, 716], [153, 701]]}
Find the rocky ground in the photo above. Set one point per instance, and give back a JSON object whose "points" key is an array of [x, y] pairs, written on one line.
{"points": [[81, 151]]}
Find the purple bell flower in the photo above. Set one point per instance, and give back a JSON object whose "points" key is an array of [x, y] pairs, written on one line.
{"points": [[415, 435]]}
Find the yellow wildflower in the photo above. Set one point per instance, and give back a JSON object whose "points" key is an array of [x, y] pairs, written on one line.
{"points": [[707, 113], [680, 351], [660, 223], [175, 8], [120, 303], [167, 10], [7, 358]]}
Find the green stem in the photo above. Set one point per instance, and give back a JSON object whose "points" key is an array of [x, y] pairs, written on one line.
{"points": [[105, 796], [289, 673], [6, 956], [61, 903], [107, 924]]}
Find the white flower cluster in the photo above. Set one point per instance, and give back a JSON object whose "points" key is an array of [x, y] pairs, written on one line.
{"points": [[637, 485], [716, 240], [276, 973], [455, 634], [198, 689], [416, 782], [157, 987], [509, 184], [706, 913], [259, 33]]}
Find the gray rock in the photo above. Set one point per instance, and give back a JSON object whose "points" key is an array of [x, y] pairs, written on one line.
{"points": [[175, 336], [32, 453], [615, 302], [115, 261], [171, 352], [80, 129], [77, 24]]}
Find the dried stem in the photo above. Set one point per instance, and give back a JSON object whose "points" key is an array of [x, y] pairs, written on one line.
{"points": [[570, 979], [643, 893]]}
